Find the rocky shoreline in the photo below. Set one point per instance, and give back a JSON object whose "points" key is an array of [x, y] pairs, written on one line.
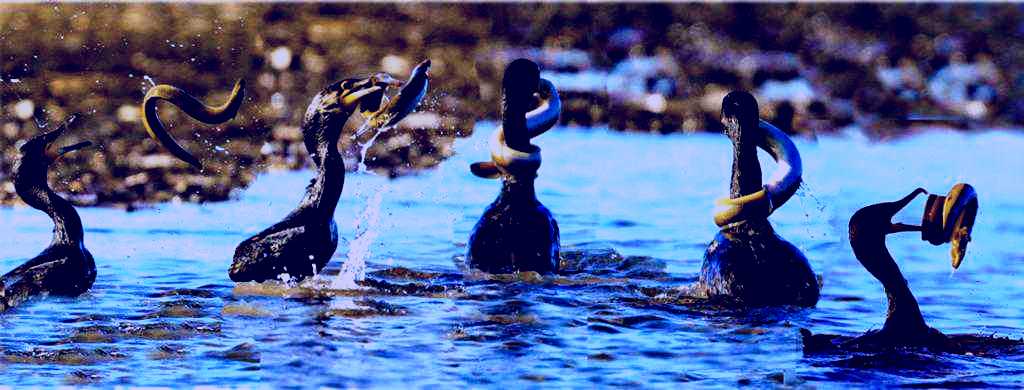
{"points": [[655, 68]]}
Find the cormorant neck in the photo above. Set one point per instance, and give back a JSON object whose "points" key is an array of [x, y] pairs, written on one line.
{"points": [[67, 225], [513, 123], [904, 315], [324, 191], [517, 189], [746, 169]]}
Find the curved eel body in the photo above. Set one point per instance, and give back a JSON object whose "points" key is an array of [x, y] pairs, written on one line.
{"points": [[65, 267], [303, 243], [516, 232], [191, 106], [904, 326], [748, 263]]}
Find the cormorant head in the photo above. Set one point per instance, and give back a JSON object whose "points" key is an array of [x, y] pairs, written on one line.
{"points": [[518, 86], [333, 105], [739, 113], [30, 173], [35, 150], [520, 82], [876, 220]]}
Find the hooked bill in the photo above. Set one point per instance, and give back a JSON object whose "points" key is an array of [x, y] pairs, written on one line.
{"points": [[407, 99]]}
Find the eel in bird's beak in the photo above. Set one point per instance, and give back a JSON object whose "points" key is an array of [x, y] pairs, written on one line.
{"points": [[191, 106], [390, 111], [950, 219], [508, 160], [946, 219], [780, 187]]}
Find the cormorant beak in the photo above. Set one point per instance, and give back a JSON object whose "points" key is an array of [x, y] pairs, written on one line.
{"points": [[52, 136], [386, 80], [71, 148], [894, 207], [41, 142], [352, 97]]}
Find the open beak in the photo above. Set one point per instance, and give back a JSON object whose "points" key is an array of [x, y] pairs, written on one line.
{"points": [[52, 136], [353, 97], [895, 207], [71, 148], [386, 80]]}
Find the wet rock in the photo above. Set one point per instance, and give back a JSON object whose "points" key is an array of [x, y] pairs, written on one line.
{"points": [[185, 292], [178, 309], [244, 352], [244, 310], [168, 351], [366, 308], [70, 356], [295, 51], [83, 377], [404, 273], [149, 331]]}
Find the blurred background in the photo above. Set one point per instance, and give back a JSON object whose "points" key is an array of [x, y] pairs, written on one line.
{"points": [[884, 70]]}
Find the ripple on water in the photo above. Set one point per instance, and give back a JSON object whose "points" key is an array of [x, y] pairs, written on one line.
{"points": [[621, 313]]}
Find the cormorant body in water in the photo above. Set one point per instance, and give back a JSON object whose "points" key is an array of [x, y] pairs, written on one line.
{"points": [[65, 267], [516, 232], [904, 325], [748, 263], [303, 242]]}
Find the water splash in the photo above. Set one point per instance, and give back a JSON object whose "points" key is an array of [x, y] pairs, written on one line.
{"points": [[353, 269]]}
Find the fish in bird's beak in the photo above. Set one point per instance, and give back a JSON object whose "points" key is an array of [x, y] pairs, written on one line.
{"points": [[376, 96], [405, 102]]}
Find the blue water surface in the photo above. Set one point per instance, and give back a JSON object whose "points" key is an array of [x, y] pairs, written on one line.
{"points": [[163, 312]]}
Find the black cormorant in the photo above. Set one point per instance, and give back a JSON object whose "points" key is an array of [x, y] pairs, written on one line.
{"points": [[65, 267], [516, 232], [748, 263]]}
